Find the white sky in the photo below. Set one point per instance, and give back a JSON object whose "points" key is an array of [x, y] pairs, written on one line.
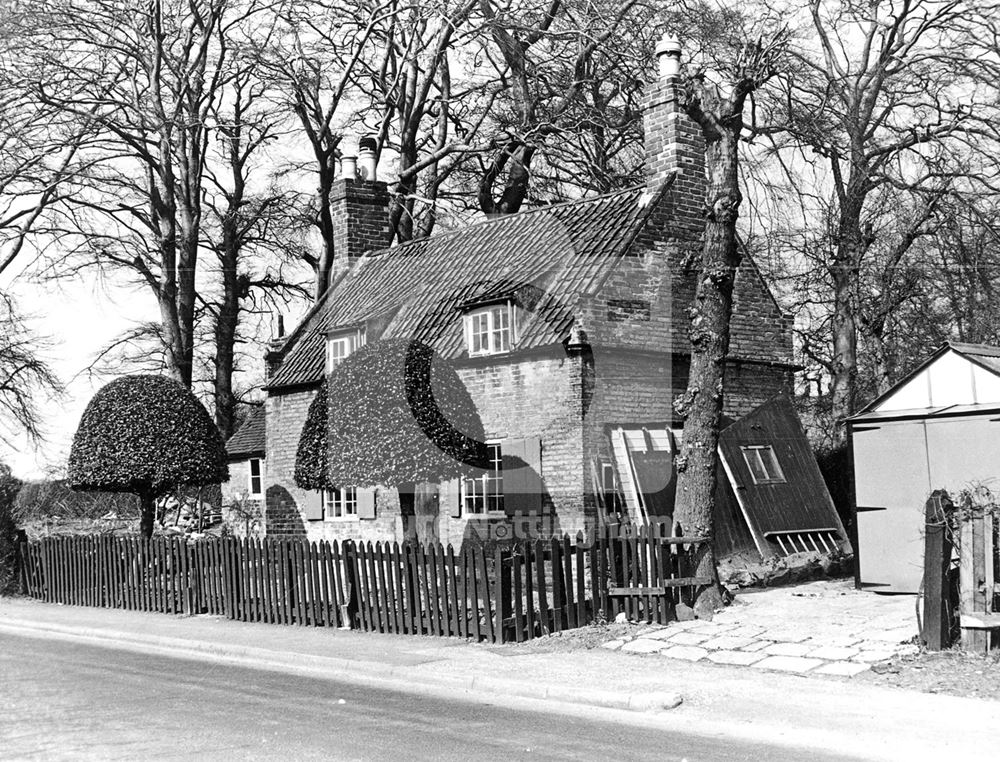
{"points": [[78, 317]]}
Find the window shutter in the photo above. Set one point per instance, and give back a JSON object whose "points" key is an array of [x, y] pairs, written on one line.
{"points": [[522, 479], [366, 502], [533, 474], [450, 498], [312, 506]]}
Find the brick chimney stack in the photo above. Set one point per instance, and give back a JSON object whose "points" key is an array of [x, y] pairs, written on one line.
{"points": [[359, 204], [674, 144]]}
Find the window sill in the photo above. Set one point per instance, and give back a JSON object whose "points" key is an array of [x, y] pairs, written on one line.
{"points": [[340, 519], [480, 355]]}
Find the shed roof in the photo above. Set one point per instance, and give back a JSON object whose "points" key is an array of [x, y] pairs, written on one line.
{"points": [[250, 438], [972, 385]]}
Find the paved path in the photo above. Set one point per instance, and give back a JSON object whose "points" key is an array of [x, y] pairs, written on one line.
{"points": [[824, 628], [74, 701]]}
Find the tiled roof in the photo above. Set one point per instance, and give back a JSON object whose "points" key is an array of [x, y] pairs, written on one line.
{"points": [[250, 438], [551, 257]]}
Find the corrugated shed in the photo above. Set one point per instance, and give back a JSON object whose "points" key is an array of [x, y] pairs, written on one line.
{"points": [[251, 438], [553, 257]]}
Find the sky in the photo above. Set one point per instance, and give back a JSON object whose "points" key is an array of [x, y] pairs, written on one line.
{"points": [[77, 317]]}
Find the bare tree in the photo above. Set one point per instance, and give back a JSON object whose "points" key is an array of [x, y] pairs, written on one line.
{"points": [[416, 110], [147, 80], [239, 228], [552, 63], [718, 109], [887, 96], [24, 376]]}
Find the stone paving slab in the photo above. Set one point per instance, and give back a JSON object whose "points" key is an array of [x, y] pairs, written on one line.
{"points": [[823, 628], [788, 649], [796, 664], [644, 646], [841, 669], [741, 658], [687, 653], [689, 638], [833, 653]]}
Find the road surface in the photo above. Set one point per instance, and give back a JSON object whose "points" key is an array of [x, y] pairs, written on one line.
{"points": [[67, 700]]}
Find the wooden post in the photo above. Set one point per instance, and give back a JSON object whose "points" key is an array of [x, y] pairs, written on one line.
{"points": [[937, 562], [971, 547]]}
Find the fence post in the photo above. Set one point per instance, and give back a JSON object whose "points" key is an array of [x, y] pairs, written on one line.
{"points": [[937, 562], [351, 591], [22, 566], [501, 591]]}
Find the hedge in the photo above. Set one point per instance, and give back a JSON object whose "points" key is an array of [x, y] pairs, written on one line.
{"points": [[396, 413]]}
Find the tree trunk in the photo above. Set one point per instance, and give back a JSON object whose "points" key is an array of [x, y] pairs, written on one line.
{"points": [[845, 348], [147, 516], [701, 405], [226, 323], [324, 267], [518, 156]]}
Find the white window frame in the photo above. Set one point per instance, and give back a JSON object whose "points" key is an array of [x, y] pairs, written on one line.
{"points": [[340, 346], [491, 323], [770, 466], [259, 492], [476, 495], [340, 504]]}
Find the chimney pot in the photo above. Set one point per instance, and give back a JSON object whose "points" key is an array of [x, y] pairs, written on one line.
{"points": [[668, 56], [367, 166], [348, 167]]}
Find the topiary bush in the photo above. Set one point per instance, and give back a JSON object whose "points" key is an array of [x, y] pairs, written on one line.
{"points": [[9, 487], [147, 435], [313, 455], [398, 413]]}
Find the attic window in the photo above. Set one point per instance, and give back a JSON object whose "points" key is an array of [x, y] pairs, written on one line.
{"points": [[763, 464], [488, 330], [341, 345]]}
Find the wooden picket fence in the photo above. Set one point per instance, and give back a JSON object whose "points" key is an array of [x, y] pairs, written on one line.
{"points": [[519, 591]]}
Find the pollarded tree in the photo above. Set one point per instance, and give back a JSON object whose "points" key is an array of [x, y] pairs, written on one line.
{"points": [[147, 435], [714, 94], [397, 413]]}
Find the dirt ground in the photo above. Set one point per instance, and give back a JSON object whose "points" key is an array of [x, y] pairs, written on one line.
{"points": [[952, 672]]}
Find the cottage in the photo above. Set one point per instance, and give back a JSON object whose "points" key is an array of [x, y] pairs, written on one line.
{"points": [[935, 429], [567, 323], [243, 494]]}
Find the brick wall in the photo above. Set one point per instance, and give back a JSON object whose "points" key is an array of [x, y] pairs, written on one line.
{"points": [[285, 415], [674, 148], [531, 397], [360, 211], [239, 513]]}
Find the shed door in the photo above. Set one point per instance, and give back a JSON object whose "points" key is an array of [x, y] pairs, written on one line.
{"points": [[964, 452], [891, 486]]}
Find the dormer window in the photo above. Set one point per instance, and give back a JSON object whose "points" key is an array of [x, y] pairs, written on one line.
{"points": [[488, 330], [342, 344]]}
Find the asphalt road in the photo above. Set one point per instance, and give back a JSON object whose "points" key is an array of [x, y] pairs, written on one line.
{"points": [[64, 700]]}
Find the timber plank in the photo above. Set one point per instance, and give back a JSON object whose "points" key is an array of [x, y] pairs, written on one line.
{"points": [[544, 615], [453, 582], [529, 591], [484, 595], [567, 550], [558, 596]]}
